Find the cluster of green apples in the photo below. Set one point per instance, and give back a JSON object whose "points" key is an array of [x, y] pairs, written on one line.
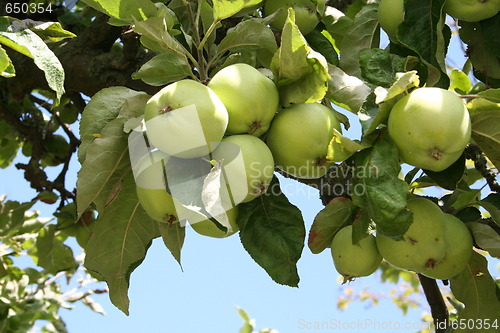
{"points": [[437, 245], [236, 115], [391, 12]]}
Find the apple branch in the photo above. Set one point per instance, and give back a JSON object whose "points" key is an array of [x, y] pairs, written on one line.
{"points": [[435, 300], [474, 153]]}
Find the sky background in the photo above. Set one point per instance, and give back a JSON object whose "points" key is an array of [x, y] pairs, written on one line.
{"points": [[219, 275]]}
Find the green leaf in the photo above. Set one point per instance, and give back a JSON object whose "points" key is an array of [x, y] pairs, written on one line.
{"points": [[48, 31], [478, 291], [490, 28], [469, 214], [451, 176], [124, 9], [28, 43], [163, 69], [404, 82], [380, 67], [51, 254], [422, 31], [486, 134], [361, 226], [377, 188], [336, 215], [106, 165], [272, 231], [248, 325], [361, 36], [486, 237], [156, 36], [337, 24], [492, 204], [121, 237], [6, 66], [173, 237], [320, 43], [460, 82], [346, 91], [104, 106], [492, 95], [227, 8], [343, 147], [250, 35], [300, 72], [12, 215]]}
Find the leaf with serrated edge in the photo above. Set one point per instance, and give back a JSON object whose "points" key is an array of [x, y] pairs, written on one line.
{"points": [[337, 214], [272, 232], [120, 239], [104, 106], [478, 291], [106, 165], [164, 68], [12, 215], [346, 91], [377, 187], [173, 237], [486, 133], [124, 9], [492, 204], [486, 237]]}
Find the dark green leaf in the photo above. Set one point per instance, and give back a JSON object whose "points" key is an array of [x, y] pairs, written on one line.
{"points": [[423, 32], [164, 68], [120, 239], [272, 231], [346, 91], [451, 176], [379, 67], [469, 214], [361, 226], [490, 28], [322, 44], [478, 291], [173, 237], [492, 204], [377, 187], [337, 214], [12, 215], [486, 133], [486, 237]]}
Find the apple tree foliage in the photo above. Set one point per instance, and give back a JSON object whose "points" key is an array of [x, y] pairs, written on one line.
{"points": [[97, 65]]}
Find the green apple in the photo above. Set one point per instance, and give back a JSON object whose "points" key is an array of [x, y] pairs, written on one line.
{"points": [[458, 251], [430, 127], [306, 17], [151, 187], [471, 10], [354, 260], [300, 139], [248, 166], [251, 98], [185, 119], [213, 229], [390, 15], [423, 244]]}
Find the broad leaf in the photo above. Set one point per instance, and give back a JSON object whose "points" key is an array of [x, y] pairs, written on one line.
{"points": [[337, 214], [12, 215], [478, 291], [249, 35], [492, 204], [156, 36], [120, 239], [321, 42], [346, 91], [300, 72], [173, 237], [50, 253], [486, 134], [104, 169], [47, 31], [424, 31], [28, 43], [460, 82], [104, 106], [125, 9], [361, 36], [164, 68], [6, 66], [451, 176], [486, 237], [379, 67], [272, 231], [227, 8], [377, 188]]}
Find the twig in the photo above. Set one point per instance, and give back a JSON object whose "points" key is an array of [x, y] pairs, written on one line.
{"points": [[474, 153], [433, 295]]}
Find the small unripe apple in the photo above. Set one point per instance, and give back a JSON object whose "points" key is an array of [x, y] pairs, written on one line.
{"points": [[248, 166], [390, 15], [251, 99], [300, 139], [354, 260], [151, 187], [458, 251], [211, 229], [430, 127], [185, 119], [471, 10], [306, 17]]}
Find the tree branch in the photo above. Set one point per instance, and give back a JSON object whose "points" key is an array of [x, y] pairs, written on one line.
{"points": [[433, 295], [474, 153]]}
